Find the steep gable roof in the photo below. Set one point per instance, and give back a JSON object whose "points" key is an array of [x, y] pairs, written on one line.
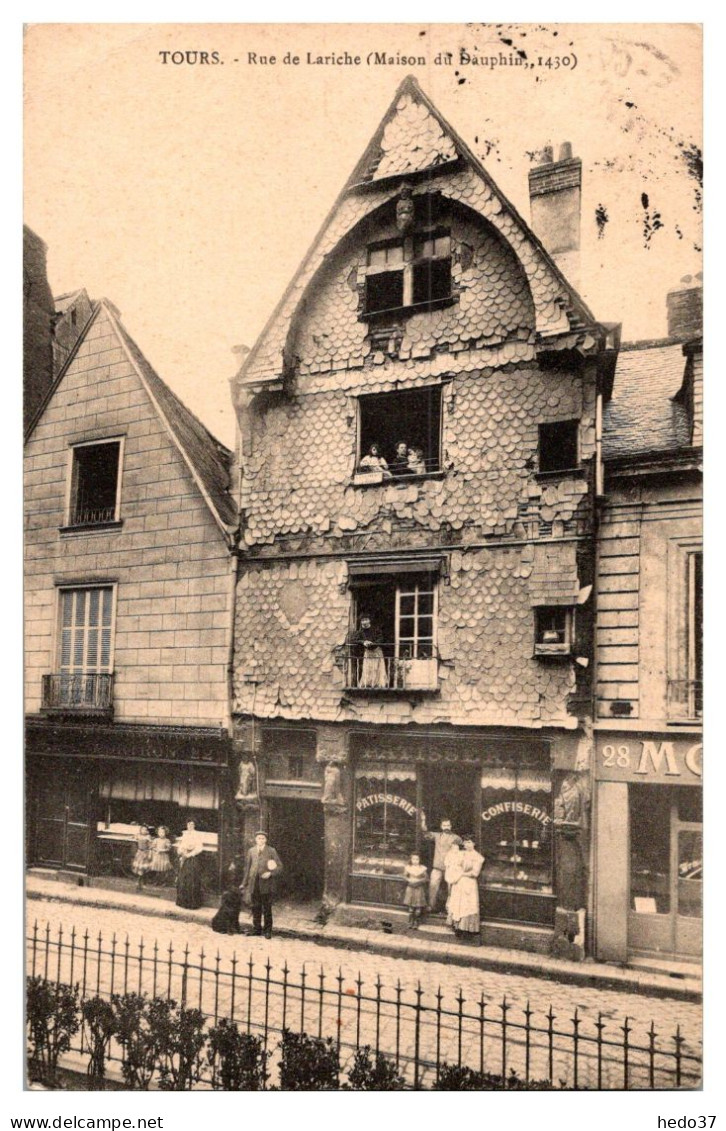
{"points": [[415, 143], [207, 459], [643, 415]]}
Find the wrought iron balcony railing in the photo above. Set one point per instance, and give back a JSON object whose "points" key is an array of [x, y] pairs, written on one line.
{"points": [[685, 699], [81, 692], [85, 515], [382, 667]]}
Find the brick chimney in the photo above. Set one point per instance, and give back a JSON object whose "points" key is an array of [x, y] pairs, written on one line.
{"points": [[685, 308], [555, 197]]}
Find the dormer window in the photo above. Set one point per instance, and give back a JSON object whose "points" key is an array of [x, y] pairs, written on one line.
{"points": [[408, 275]]}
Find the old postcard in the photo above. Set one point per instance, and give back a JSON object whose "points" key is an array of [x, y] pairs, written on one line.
{"points": [[363, 556]]}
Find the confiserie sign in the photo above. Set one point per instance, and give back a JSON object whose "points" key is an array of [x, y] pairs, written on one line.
{"points": [[677, 761]]}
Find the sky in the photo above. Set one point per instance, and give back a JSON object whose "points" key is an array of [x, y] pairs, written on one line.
{"points": [[187, 192]]}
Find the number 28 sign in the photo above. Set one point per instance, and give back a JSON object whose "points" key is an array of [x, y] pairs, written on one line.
{"points": [[650, 760]]}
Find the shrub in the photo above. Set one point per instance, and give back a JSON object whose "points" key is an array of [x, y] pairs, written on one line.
{"points": [[308, 1063], [379, 1075], [459, 1078], [99, 1023], [179, 1035], [135, 1032], [53, 1019], [239, 1059]]}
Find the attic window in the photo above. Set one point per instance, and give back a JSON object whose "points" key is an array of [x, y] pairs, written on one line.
{"points": [[558, 446], [409, 274], [95, 482]]}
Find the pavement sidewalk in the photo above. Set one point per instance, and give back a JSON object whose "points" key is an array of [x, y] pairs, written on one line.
{"points": [[297, 922]]}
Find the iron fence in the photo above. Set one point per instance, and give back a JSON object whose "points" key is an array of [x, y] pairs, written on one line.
{"points": [[418, 1028]]}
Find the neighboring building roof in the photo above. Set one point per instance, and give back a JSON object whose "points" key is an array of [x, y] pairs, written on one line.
{"points": [[642, 415], [208, 457], [63, 302], [208, 460]]}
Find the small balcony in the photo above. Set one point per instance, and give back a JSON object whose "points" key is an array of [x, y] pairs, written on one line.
{"points": [[685, 700], [78, 694], [384, 668]]}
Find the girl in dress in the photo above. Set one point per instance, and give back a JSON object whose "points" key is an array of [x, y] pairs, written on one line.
{"points": [[189, 882], [414, 897], [142, 859], [160, 854]]}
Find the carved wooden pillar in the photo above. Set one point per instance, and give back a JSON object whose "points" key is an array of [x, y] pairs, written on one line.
{"points": [[332, 751]]}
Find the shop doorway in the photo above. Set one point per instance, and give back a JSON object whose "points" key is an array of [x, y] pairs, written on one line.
{"points": [[452, 791], [62, 825], [297, 831], [666, 877]]}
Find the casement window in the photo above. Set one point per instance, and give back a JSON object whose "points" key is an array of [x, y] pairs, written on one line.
{"points": [[392, 641], [685, 668], [83, 677], [95, 483], [558, 446], [553, 630], [409, 274], [399, 434]]}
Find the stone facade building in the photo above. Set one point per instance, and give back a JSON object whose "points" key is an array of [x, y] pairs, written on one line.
{"points": [[427, 314], [129, 583], [649, 689]]}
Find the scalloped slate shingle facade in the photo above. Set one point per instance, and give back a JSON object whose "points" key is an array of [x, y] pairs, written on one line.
{"points": [[514, 349]]}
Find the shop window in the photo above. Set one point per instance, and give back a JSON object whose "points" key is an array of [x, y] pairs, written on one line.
{"points": [[553, 630], [84, 677], [393, 646], [95, 482], [410, 274], [650, 850], [136, 795], [399, 435], [385, 830], [558, 446], [516, 829]]}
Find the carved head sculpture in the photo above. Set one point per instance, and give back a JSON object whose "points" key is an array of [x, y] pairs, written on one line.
{"points": [[404, 209]]}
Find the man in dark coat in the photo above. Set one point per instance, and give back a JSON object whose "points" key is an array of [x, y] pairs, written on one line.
{"points": [[262, 872]]}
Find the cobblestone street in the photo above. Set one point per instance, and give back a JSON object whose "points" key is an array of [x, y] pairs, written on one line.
{"points": [[263, 1000]]}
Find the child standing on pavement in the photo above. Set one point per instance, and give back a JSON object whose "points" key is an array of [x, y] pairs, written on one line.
{"points": [[142, 859], [414, 897]]}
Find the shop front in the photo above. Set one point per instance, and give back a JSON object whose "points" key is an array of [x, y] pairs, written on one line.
{"points": [[91, 793], [497, 791], [649, 846]]}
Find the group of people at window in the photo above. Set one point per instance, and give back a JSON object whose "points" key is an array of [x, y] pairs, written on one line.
{"points": [[406, 460], [371, 660]]}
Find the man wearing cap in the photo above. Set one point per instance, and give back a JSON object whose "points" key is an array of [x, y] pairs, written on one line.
{"points": [[262, 872]]}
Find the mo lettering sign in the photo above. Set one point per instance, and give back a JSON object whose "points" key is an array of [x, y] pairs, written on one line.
{"points": [[668, 761]]}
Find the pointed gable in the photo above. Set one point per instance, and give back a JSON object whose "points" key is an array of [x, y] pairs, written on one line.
{"points": [[206, 458], [409, 141], [414, 147]]}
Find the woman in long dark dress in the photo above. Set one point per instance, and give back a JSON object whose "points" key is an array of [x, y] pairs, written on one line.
{"points": [[189, 881]]}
